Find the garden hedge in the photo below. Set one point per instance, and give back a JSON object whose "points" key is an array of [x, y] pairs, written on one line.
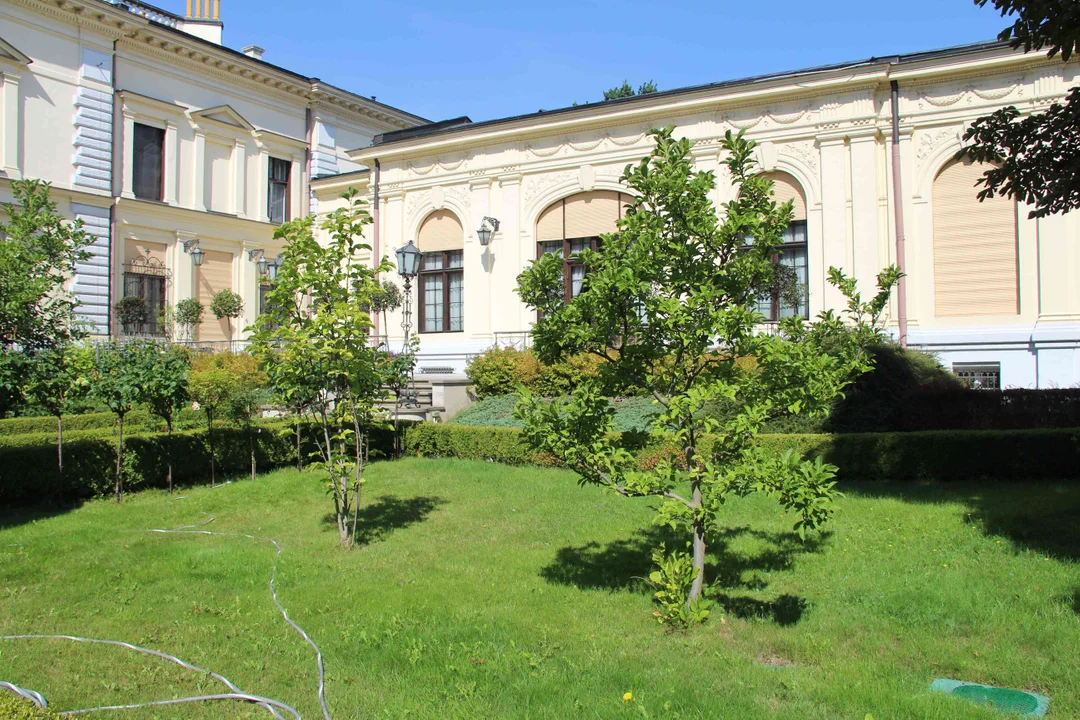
{"points": [[28, 473], [140, 418], [933, 455]]}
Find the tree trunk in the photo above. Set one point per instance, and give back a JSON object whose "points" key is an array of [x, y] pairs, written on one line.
{"points": [[119, 456], [168, 427], [299, 457], [210, 439], [698, 548], [251, 449], [60, 458]]}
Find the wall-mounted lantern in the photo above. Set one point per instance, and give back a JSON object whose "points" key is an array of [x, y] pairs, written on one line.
{"points": [[488, 226], [259, 258], [191, 247]]}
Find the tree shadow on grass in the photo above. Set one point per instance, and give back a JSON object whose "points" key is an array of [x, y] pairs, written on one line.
{"points": [[624, 565], [1042, 515], [378, 519], [14, 517]]}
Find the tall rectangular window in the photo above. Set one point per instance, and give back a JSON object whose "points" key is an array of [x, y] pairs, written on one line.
{"points": [[573, 270], [151, 288], [790, 294], [442, 288], [148, 162], [278, 190]]}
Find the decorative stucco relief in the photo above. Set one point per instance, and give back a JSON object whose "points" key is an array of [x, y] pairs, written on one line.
{"points": [[804, 152], [448, 164], [998, 90], [463, 199], [566, 145], [931, 140], [416, 203], [536, 186]]}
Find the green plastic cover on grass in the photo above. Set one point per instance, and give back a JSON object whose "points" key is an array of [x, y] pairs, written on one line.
{"points": [[1018, 702]]}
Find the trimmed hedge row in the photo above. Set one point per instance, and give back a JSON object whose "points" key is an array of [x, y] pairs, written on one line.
{"points": [[185, 419], [28, 473], [934, 455]]}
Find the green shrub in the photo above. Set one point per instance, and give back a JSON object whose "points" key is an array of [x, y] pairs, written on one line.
{"points": [[559, 379], [931, 455], [499, 371], [13, 707], [28, 462]]}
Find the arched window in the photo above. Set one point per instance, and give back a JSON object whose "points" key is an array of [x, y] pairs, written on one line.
{"points": [[975, 246], [573, 224], [791, 294], [442, 300]]}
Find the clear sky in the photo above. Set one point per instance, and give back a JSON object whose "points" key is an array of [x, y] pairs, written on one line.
{"points": [[488, 59]]}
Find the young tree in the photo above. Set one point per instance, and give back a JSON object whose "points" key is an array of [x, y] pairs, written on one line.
{"points": [[210, 385], [1036, 156], [316, 346], [114, 380], [669, 304], [227, 305], [59, 376], [188, 316], [247, 395], [386, 298], [162, 375]]}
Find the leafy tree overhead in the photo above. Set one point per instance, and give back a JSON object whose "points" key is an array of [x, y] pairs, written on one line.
{"points": [[626, 90], [1036, 157], [316, 346], [668, 304]]}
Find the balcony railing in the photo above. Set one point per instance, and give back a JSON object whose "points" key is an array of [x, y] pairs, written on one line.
{"points": [[149, 12], [520, 340]]}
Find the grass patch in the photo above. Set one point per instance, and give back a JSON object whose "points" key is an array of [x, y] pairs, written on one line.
{"points": [[633, 413], [481, 590]]}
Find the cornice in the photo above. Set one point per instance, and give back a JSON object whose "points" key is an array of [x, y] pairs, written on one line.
{"points": [[95, 16]]}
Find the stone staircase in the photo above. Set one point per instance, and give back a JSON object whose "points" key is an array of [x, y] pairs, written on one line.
{"points": [[418, 408]]}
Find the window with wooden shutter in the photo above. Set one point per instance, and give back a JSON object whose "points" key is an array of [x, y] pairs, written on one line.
{"points": [[573, 224], [442, 276], [213, 276], [975, 247]]}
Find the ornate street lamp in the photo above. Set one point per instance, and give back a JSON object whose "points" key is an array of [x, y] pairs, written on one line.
{"points": [[408, 262], [488, 226], [191, 247]]}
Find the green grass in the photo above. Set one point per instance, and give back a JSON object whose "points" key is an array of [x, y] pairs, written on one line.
{"points": [[632, 413], [484, 591]]}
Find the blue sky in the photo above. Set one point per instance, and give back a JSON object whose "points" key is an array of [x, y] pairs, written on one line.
{"points": [[489, 59]]}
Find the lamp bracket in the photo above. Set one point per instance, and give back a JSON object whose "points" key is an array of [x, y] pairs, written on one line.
{"points": [[494, 222], [190, 245], [254, 255]]}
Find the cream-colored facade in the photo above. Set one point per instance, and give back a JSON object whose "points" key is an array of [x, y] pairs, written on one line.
{"points": [[987, 287], [80, 77]]}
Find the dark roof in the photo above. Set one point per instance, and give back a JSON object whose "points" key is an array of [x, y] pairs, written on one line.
{"points": [[462, 124], [124, 5]]}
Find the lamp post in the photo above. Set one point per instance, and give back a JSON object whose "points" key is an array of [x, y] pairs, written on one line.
{"points": [[408, 262]]}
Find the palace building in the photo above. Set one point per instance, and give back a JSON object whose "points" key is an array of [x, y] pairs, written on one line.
{"points": [[171, 148]]}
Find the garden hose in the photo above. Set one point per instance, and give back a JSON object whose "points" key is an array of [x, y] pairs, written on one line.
{"points": [[31, 695], [236, 693]]}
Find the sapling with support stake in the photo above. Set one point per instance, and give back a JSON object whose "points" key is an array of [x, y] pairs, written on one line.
{"points": [[669, 304]]}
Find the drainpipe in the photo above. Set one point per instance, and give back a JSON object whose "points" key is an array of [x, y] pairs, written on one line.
{"points": [[305, 186], [375, 249], [898, 212], [117, 183]]}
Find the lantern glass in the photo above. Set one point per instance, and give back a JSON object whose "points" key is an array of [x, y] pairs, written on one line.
{"points": [[408, 260], [197, 256], [484, 234], [263, 265]]}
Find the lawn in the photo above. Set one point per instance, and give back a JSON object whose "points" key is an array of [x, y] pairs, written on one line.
{"points": [[484, 591]]}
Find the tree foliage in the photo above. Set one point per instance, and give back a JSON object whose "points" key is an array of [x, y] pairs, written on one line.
{"points": [[669, 305], [1036, 157], [316, 345], [58, 377], [161, 370], [114, 381], [626, 90], [38, 253]]}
